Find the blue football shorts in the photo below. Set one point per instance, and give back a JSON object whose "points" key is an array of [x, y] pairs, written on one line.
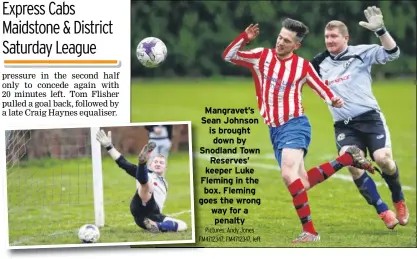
{"points": [[295, 133]]}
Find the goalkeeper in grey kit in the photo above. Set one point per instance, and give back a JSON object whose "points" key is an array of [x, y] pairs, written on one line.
{"points": [[149, 198], [360, 122]]}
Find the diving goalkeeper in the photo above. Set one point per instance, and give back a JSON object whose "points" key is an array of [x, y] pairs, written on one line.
{"points": [[151, 193]]}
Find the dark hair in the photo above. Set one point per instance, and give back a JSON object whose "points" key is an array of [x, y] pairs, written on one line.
{"points": [[298, 27]]}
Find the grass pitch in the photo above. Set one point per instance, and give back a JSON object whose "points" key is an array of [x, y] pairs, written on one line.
{"points": [[340, 213], [48, 200]]}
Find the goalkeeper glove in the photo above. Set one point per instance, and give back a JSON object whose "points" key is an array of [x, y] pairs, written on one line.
{"points": [[375, 19], [105, 140]]}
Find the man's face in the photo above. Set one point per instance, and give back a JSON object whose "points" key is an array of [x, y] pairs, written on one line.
{"points": [[286, 42], [335, 41], [158, 165]]}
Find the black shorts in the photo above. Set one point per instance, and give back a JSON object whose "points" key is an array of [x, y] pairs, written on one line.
{"points": [[367, 131], [150, 210]]}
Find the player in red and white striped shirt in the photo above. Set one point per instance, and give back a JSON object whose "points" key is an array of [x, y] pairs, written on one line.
{"points": [[279, 76]]}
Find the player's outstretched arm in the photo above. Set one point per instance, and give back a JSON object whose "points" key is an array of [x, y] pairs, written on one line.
{"points": [[106, 142], [235, 55], [389, 50], [318, 86]]}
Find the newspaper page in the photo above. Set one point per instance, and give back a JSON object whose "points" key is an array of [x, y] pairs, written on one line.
{"points": [[283, 127]]}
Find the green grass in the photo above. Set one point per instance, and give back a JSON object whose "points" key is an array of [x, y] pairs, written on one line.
{"points": [[49, 200], [340, 213], [45, 209]]}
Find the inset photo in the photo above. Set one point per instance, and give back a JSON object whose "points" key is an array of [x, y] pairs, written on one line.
{"points": [[100, 186]]}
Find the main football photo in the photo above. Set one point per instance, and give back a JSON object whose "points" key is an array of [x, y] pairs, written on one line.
{"points": [[303, 114], [100, 186]]}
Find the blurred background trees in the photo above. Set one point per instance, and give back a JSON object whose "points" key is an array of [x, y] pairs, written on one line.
{"points": [[197, 32]]}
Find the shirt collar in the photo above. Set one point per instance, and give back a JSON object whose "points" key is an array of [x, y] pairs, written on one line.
{"points": [[340, 54]]}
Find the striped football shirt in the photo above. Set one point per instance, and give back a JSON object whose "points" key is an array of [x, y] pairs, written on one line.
{"points": [[278, 83]]}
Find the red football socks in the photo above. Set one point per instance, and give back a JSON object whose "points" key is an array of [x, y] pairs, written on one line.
{"points": [[345, 159], [300, 201], [322, 172]]}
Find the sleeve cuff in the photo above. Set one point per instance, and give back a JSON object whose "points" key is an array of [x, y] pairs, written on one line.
{"points": [[381, 32], [244, 35], [392, 51], [330, 96], [329, 102]]}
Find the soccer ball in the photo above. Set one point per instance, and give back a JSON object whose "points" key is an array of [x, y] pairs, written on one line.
{"points": [[151, 52], [89, 233]]}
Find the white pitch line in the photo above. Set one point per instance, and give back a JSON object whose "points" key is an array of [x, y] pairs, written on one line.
{"points": [[179, 213], [29, 238], [276, 168], [61, 233]]}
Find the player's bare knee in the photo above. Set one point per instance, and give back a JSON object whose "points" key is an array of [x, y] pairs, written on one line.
{"points": [[290, 163], [289, 170], [289, 175], [383, 158]]}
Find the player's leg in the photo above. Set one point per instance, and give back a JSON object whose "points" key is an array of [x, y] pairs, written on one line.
{"points": [[161, 223], [351, 157], [140, 222], [181, 225], [289, 143], [139, 211], [368, 189], [349, 135], [390, 173], [302, 173], [165, 147], [379, 143], [145, 190], [148, 216], [290, 163]]}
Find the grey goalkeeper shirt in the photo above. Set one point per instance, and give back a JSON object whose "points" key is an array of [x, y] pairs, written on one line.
{"points": [[349, 76]]}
